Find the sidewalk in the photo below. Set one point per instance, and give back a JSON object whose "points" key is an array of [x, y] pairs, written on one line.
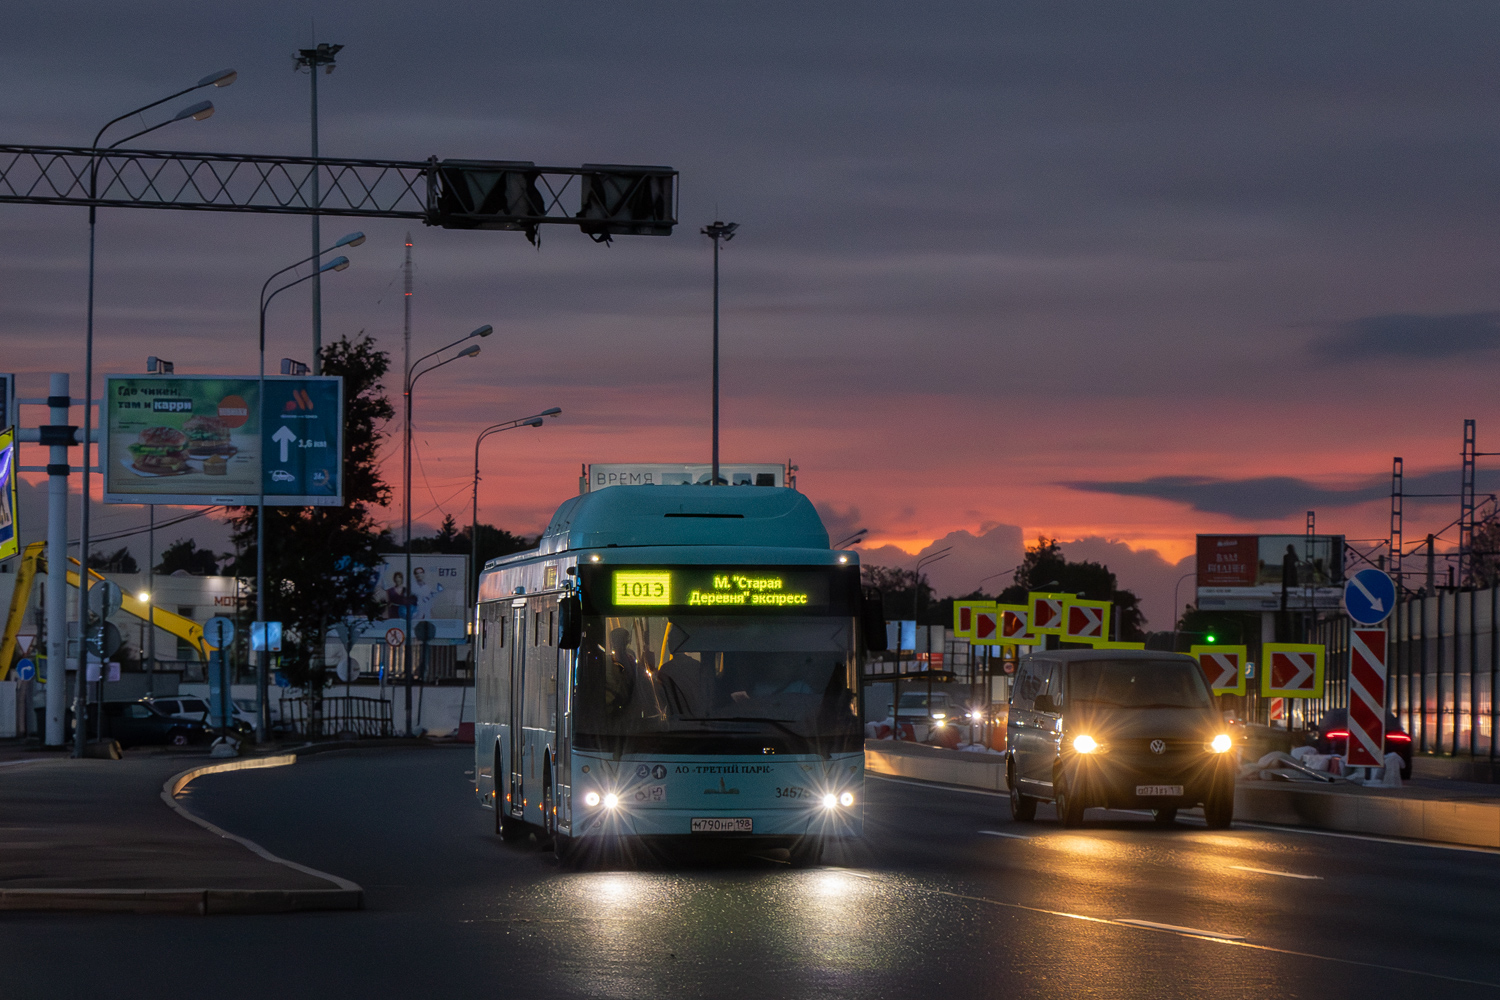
{"points": [[96, 834], [1452, 812]]}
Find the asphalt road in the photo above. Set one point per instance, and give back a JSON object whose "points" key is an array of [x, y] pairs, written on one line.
{"points": [[944, 898]]}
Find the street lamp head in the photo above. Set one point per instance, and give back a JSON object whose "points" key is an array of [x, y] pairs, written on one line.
{"points": [[337, 264], [483, 331], [223, 78], [721, 230], [469, 352], [533, 423], [143, 597], [352, 240], [197, 112], [550, 412]]}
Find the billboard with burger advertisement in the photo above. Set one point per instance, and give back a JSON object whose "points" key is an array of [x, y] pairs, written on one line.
{"points": [[214, 440]]}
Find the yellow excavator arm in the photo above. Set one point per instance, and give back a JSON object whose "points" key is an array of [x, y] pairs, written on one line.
{"points": [[34, 559]]}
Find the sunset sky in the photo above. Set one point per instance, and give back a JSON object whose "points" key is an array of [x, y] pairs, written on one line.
{"points": [[1114, 276]]}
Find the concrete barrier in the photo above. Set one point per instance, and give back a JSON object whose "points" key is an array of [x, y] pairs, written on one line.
{"points": [[1408, 813]]}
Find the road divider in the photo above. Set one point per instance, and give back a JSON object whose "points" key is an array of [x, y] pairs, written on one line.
{"points": [[1410, 813]]}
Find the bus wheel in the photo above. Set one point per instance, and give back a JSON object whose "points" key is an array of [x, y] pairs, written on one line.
{"points": [[567, 851], [546, 836], [807, 851]]}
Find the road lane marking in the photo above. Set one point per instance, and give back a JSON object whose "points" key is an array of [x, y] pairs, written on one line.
{"points": [[1270, 871], [1364, 836], [1186, 931], [1231, 942], [1002, 833]]}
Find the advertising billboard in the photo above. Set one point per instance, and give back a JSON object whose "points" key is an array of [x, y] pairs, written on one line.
{"points": [[1243, 572], [598, 476], [436, 591], [10, 534], [203, 439]]}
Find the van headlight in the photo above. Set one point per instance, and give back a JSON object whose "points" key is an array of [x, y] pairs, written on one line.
{"points": [[1084, 744], [1221, 743]]}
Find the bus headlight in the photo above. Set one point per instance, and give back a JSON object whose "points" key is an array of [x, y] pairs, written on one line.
{"points": [[846, 799], [611, 800], [1084, 744], [591, 800], [830, 801], [1222, 743]]}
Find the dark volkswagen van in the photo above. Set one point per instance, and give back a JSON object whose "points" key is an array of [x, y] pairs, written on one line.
{"points": [[1121, 728]]}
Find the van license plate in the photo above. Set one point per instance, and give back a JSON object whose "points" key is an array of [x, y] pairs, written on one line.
{"points": [[722, 824], [1144, 790]]}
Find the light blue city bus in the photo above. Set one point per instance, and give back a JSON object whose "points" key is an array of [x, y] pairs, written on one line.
{"points": [[674, 665]]}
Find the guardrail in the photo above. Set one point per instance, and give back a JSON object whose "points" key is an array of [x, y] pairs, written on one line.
{"points": [[331, 715]]}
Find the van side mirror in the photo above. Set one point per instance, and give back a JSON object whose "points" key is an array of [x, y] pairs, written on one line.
{"points": [[872, 621], [1043, 703], [569, 623]]}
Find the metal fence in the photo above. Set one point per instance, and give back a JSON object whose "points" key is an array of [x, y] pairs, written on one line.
{"points": [[1443, 665], [334, 714]]}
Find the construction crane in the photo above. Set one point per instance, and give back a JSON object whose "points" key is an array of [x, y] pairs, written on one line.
{"points": [[34, 561]]}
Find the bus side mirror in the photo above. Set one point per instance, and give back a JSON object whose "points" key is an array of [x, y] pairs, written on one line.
{"points": [[872, 622], [569, 623]]}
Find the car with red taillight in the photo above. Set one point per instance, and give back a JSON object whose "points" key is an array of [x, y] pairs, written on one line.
{"points": [[1331, 736]]}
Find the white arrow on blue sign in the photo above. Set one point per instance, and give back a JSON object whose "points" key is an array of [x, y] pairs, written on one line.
{"points": [[1369, 597]]}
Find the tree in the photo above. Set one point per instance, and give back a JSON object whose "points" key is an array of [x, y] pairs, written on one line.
{"points": [[322, 562], [184, 556], [493, 543], [903, 596], [118, 561], [1484, 558], [1046, 569]]}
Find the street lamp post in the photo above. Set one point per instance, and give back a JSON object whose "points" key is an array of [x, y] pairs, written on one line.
{"points": [[916, 595], [718, 232], [535, 420], [262, 675], [310, 59], [1176, 614], [196, 112], [410, 383]]}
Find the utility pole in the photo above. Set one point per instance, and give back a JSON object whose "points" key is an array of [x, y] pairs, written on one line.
{"points": [[311, 59], [719, 231], [57, 568], [406, 480], [1431, 566]]}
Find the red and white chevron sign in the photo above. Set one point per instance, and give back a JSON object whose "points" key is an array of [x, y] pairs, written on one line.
{"points": [[1367, 697], [1049, 613], [1278, 709], [1221, 669], [1292, 671], [985, 624], [1013, 623], [1085, 622]]}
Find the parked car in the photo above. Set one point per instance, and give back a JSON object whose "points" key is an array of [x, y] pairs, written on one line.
{"points": [[183, 708], [143, 723], [1123, 729], [1331, 735]]}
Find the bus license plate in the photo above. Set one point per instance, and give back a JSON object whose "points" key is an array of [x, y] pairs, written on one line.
{"points": [[1144, 790], [722, 824]]}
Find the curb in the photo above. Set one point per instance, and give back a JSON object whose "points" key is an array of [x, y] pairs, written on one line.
{"points": [[200, 902]]}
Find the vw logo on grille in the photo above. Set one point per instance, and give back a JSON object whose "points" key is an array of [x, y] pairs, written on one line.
{"points": [[1158, 746]]}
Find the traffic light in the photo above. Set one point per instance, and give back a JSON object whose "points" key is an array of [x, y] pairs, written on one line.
{"points": [[1210, 638]]}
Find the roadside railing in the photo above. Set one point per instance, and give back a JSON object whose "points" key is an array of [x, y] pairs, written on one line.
{"points": [[332, 715]]}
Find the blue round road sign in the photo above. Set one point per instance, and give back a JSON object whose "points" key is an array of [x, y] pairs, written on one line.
{"points": [[25, 670], [1369, 597]]}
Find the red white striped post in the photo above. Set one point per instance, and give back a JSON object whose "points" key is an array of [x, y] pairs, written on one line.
{"points": [[1367, 675]]}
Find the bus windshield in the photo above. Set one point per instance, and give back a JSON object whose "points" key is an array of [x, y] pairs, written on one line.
{"points": [[1138, 684], [712, 684]]}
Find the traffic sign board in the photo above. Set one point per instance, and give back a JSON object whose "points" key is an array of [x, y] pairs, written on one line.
{"points": [[1086, 621], [25, 669], [395, 636], [301, 439], [1369, 596], [1047, 611], [1367, 673], [424, 630], [1292, 670], [219, 631], [104, 598], [265, 636], [1015, 627], [1223, 667]]}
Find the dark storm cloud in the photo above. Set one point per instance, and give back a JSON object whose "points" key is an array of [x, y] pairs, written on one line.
{"points": [[1411, 337], [1269, 498]]}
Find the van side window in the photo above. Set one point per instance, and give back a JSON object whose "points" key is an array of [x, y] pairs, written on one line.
{"points": [[1055, 686], [1026, 687]]}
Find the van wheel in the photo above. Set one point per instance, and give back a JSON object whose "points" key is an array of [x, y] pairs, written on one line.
{"points": [[1218, 811], [1022, 807], [1069, 807], [1164, 815]]}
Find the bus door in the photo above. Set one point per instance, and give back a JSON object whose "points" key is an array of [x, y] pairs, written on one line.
{"points": [[517, 703]]}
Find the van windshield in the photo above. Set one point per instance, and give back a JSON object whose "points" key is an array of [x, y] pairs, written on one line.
{"points": [[1138, 684]]}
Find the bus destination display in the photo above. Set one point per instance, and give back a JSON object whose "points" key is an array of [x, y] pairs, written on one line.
{"points": [[729, 587]]}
